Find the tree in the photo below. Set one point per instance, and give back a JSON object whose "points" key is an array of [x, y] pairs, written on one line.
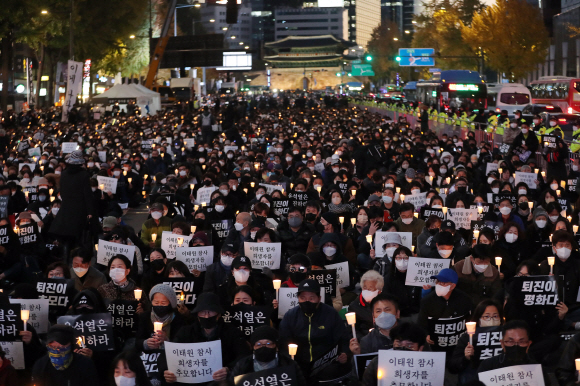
{"points": [[512, 35], [384, 48], [439, 27]]}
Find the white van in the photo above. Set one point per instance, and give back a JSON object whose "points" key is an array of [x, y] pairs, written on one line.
{"points": [[507, 96]]}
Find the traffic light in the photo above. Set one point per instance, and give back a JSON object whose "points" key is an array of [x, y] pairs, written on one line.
{"points": [[232, 11], [398, 58], [368, 58], [338, 74]]}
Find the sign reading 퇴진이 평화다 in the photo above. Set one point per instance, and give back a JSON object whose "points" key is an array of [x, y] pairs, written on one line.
{"points": [[263, 254], [170, 242], [410, 368], [528, 375], [56, 291], [534, 292], [445, 332], [108, 250], [194, 362], [278, 376], [222, 229], [97, 329], [38, 313], [420, 270], [196, 258], [28, 234], [107, 184], [185, 287]]}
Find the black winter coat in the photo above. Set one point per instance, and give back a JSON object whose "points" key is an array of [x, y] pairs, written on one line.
{"points": [[293, 243], [246, 366]]}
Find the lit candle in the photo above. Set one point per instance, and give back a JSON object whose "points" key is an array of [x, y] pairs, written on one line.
{"points": [[24, 315], [292, 348], [129, 179], [471, 330], [153, 237], [476, 234], [97, 247], [252, 184], [398, 190], [341, 219], [318, 189], [531, 204], [353, 221], [536, 171], [551, 261], [480, 209], [370, 239], [50, 191], [563, 184], [203, 204], [276, 283], [138, 292], [498, 263], [181, 298], [402, 197], [81, 341], [246, 190], [444, 209], [351, 320], [125, 173], [500, 170], [180, 241], [413, 248], [192, 229], [353, 192], [543, 174], [575, 228], [26, 194], [416, 215], [157, 327], [191, 186]]}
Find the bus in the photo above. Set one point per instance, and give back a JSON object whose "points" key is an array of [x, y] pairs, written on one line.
{"points": [[507, 96], [561, 91], [453, 89], [410, 91]]}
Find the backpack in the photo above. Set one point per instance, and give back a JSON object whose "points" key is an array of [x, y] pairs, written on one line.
{"points": [[206, 120]]}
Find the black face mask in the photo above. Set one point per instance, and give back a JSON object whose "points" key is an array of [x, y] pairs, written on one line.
{"points": [[207, 183], [199, 222], [523, 205], [310, 217], [162, 311], [319, 228], [434, 231], [308, 307], [84, 310], [158, 264], [208, 323], [515, 354], [297, 277], [265, 354], [462, 189]]}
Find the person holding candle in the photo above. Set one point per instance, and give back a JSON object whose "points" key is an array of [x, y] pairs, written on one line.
{"points": [[371, 284], [216, 273], [155, 225], [477, 276], [266, 355], [385, 313], [511, 242], [163, 306], [120, 286], [353, 230], [242, 274], [155, 271], [295, 233], [432, 227], [394, 277]]}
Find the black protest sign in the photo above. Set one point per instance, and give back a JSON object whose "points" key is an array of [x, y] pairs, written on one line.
{"points": [[32, 193], [222, 229], [497, 198], [324, 361], [298, 199], [185, 287], [343, 186], [150, 361], [10, 322], [4, 206], [361, 362], [477, 225], [487, 342], [56, 291], [534, 292], [563, 203], [571, 185], [146, 144], [279, 376], [247, 318], [494, 225], [4, 235], [28, 234], [123, 314], [485, 209], [280, 207], [97, 329], [549, 141], [428, 212], [326, 278], [445, 332]]}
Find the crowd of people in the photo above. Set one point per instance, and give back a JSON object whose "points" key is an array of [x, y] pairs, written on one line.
{"points": [[334, 186]]}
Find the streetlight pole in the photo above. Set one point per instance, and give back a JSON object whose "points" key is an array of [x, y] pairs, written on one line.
{"points": [[71, 32]]}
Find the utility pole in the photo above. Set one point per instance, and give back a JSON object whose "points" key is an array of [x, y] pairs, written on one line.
{"points": [[71, 31]]}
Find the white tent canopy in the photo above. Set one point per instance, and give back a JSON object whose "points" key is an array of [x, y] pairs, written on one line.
{"points": [[147, 100]]}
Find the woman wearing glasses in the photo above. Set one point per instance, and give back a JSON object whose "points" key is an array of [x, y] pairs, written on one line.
{"points": [[465, 358]]}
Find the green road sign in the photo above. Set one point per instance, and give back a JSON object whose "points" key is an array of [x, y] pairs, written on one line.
{"points": [[362, 70]]}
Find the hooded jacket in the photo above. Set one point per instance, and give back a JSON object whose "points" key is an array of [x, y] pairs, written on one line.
{"points": [[478, 286]]}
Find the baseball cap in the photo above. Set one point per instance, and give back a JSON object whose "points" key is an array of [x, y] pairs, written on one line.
{"points": [[309, 285], [447, 275], [448, 224]]}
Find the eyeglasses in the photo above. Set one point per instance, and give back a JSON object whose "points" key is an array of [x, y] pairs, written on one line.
{"points": [[301, 269], [488, 318], [269, 345], [115, 237], [511, 342], [401, 257]]}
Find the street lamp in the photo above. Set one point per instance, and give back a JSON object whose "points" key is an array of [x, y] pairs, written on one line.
{"points": [[44, 12], [71, 29], [132, 37]]}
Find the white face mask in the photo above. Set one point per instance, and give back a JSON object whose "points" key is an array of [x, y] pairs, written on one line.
{"points": [[117, 274], [387, 199], [389, 185], [390, 251], [124, 381], [80, 271], [444, 253], [117, 173], [495, 190], [407, 221], [522, 191], [443, 170], [224, 192], [536, 121], [239, 226], [253, 235], [369, 295], [156, 215], [415, 191], [513, 125], [554, 186], [336, 200], [525, 131], [54, 211], [241, 276], [541, 223], [490, 180], [436, 206], [258, 196], [505, 210], [401, 264], [553, 124], [563, 253], [226, 260], [362, 218], [329, 251], [489, 323], [288, 159], [575, 168], [442, 290], [511, 238], [219, 208], [94, 189], [554, 218], [480, 267]]}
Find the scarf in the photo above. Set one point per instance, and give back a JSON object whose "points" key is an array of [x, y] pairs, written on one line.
{"points": [[60, 358]]}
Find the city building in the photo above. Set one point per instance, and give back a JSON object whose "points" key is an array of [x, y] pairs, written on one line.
{"points": [[237, 36], [400, 12], [310, 21]]}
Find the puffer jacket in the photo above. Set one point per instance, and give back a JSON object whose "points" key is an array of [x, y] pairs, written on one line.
{"points": [[293, 243]]}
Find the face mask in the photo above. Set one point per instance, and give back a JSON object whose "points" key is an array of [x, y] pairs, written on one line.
{"points": [[208, 323], [201, 160], [369, 295], [253, 235], [124, 381], [536, 121], [265, 354], [515, 354], [443, 170], [226, 260], [294, 222], [336, 200], [444, 253], [162, 311], [522, 191], [335, 170], [60, 358], [442, 290], [158, 264], [54, 211], [548, 200], [407, 221], [224, 192], [362, 218], [389, 185], [57, 172], [219, 208], [513, 125], [505, 210], [553, 124], [258, 196], [329, 251], [239, 226], [308, 307], [554, 186], [489, 323], [480, 267], [94, 189], [310, 217], [390, 251], [156, 215], [385, 320], [404, 166], [575, 168], [525, 131], [563, 253], [241, 275], [541, 223], [554, 218], [495, 190], [288, 159], [116, 173], [401, 264], [117, 274], [436, 206], [510, 237], [80, 272]]}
